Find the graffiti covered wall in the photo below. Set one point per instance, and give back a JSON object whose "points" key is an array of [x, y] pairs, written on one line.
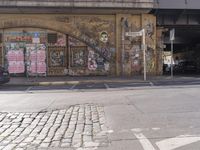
{"points": [[149, 24], [96, 43], [129, 49], [99, 37], [159, 50], [97, 32], [84, 60]]}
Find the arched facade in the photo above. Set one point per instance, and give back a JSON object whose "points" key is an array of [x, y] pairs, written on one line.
{"points": [[93, 42], [82, 40]]}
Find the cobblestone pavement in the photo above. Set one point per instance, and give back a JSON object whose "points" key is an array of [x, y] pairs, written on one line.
{"points": [[79, 127]]}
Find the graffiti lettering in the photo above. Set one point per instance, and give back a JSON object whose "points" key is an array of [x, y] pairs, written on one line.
{"points": [[92, 64], [79, 56]]}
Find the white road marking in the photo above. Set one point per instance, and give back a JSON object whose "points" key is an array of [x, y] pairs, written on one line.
{"points": [[151, 83], [106, 85], [179, 141], [109, 131], [28, 89], [146, 144], [71, 88], [155, 129], [136, 130]]}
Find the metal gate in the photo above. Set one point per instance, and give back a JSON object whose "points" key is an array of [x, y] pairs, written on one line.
{"points": [[57, 60]]}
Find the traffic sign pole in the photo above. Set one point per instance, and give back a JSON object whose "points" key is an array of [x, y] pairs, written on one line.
{"points": [[172, 38], [172, 49], [144, 54]]}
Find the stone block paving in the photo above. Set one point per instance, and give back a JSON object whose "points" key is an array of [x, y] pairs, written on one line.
{"points": [[79, 127]]}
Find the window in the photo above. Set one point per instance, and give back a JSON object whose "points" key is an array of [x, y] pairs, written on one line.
{"points": [[52, 38]]}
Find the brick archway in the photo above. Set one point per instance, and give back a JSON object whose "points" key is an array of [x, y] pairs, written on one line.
{"points": [[39, 23], [62, 24]]}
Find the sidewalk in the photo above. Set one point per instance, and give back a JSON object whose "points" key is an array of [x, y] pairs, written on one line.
{"points": [[45, 81], [69, 80]]}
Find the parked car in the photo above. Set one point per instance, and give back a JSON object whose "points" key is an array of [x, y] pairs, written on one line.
{"points": [[186, 67], [4, 75]]}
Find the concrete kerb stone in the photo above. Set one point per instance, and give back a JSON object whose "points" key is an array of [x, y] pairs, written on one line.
{"points": [[44, 83], [74, 82], [89, 81], [58, 83]]}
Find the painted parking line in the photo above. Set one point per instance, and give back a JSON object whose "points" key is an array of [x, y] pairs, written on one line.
{"points": [[146, 144], [106, 85], [28, 89], [176, 142], [73, 87], [165, 144]]}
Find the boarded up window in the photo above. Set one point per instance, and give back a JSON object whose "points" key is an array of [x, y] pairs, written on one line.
{"points": [[52, 38], [1, 40]]}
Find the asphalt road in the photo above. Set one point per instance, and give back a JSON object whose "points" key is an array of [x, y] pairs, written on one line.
{"points": [[151, 116], [100, 86]]}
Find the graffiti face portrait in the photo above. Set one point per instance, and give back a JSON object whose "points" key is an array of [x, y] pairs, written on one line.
{"points": [[150, 30], [104, 37]]}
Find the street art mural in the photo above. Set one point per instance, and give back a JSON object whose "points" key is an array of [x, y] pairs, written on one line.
{"points": [[135, 56], [96, 62], [56, 58], [149, 29], [92, 63], [104, 37], [133, 52], [78, 56], [61, 41], [95, 31], [149, 23], [99, 35], [88, 59]]}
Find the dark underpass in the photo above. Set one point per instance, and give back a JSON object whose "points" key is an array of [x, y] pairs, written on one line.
{"points": [[186, 46]]}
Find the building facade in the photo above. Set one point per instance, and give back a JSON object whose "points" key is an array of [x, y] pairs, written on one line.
{"points": [[77, 38], [184, 17]]}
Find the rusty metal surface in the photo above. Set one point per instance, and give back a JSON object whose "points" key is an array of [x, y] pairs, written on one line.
{"points": [[80, 3]]}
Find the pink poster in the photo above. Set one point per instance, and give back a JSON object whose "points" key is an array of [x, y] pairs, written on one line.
{"points": [[37, 58], [11, 55], [41, 67], [19, 55], [33, 56], [33, 68], [20, 67], [12, 66], [41, 55], [16, 67]]}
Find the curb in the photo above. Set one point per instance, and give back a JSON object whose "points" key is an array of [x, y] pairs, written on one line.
{"points": [[54, 83]]}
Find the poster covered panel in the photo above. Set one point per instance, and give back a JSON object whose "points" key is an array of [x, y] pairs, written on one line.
{"points": [[36, 57], [15, 57]]}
